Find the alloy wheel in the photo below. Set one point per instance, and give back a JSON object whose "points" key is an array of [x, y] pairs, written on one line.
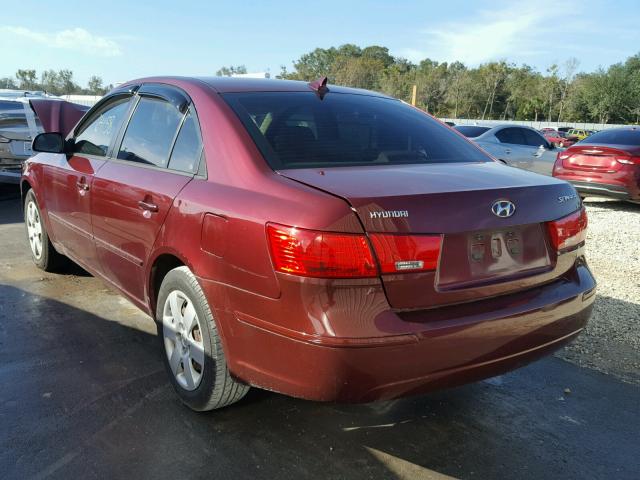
{"points": [[34, 230], [183, 340]]}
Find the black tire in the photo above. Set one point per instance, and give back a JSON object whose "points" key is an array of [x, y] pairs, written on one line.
{"points": [[216, 387], [48, 259]]}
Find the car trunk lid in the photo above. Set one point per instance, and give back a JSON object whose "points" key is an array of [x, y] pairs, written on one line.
{"points": [[479, 249], [597, 158]]}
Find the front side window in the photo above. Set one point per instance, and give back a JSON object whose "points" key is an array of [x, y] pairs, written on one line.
{"points": [[533, 139], [97, 134], [300, 130], [188, 147], [150, 132]]}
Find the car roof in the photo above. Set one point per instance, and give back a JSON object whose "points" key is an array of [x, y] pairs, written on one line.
{"points": [[243, 84]]}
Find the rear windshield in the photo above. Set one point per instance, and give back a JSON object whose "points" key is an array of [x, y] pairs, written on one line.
{"points": [[615, 137], [471, 131], [13, 121], [300, 130]]}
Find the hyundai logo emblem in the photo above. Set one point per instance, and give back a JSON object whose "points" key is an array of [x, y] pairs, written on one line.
{"points": [[503, 208]]}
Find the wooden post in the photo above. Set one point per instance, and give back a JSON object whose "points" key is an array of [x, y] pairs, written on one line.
{"points": [[414, 93]]}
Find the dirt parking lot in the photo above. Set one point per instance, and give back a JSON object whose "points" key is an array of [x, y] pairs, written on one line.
{"points": [[83, 394]]}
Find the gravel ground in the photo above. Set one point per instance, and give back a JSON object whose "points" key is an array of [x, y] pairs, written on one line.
{"points": [[611, 341]]}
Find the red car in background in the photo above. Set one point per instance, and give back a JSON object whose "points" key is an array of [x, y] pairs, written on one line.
{"points": [[324, 242], [605, 164], [558, 139]]}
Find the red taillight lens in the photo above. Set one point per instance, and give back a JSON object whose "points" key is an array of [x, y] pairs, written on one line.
{"points": [[628, 160], [569, 231], [320, 254], [406, 253]]}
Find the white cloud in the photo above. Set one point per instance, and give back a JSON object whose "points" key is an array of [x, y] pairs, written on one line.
{"points": [[76, 39], [503, 32]]}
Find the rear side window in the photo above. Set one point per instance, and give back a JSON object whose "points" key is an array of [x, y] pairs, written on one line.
{"points": [[300, 130], [13, 120], [150, 132], [512, 136], [615, 137], [188, 147], [96, 135]]}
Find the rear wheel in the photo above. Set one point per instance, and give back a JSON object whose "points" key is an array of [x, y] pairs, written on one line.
{"points": [[193, 356], [43, 253]]}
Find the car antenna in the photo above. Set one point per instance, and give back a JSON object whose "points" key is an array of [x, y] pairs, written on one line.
{"points": [[319, 86]]}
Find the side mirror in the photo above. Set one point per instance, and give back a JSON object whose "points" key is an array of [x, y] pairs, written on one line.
{"points": [[48, 142]]}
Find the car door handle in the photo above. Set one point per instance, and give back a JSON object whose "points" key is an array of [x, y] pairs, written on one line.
{"points": [[82, 185], [149, 207], [507, 151]]}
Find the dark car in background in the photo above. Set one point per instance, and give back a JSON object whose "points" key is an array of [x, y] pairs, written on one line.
{"points": [[20, 122], [605, 164], [329, 243]]}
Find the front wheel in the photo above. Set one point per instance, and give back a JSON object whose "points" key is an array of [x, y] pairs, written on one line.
{"points": [[193, 357], [43, 253]]}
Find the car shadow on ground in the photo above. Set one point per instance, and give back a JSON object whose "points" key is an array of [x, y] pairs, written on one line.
{"points": [[86, 396], [10, 208]]}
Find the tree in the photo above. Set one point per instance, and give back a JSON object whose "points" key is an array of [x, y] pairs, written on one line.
{"points": [[65, 82], [231, 70], [8, 82], [49, 81], [94, 86], [27, 79]]}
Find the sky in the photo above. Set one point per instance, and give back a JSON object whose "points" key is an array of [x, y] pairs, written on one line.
{"points": [[121, 40]]}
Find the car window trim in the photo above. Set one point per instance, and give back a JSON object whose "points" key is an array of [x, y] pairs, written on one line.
{"points": [[148, 166], [175, 139], [117, 141], [175, 96]]}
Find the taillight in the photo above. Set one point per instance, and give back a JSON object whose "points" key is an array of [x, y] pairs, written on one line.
{"points": [[320, 254], [628, 160], [568, 231], [406, 253]]}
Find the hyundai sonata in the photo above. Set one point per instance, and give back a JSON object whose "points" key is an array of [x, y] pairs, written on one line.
{"points": [[324, 242]]}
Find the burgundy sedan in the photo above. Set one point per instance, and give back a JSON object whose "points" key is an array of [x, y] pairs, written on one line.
{"points": [[324, 242], [605, 164]]}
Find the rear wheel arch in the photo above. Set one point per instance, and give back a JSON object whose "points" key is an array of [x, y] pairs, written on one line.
{"points": [[162, 264], [25, 186]]}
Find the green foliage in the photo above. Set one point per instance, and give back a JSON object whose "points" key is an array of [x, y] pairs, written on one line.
{"points": [[55, 83], [494, 90], [231, 70]]}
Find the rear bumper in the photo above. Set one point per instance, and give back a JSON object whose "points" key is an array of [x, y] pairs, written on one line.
{"points": [[446, 346], [603, 190], [623, 184]]}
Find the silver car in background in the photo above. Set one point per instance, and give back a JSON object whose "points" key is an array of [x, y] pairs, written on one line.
{"points": [[515, 145], [23, 115], [18, 127]]}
